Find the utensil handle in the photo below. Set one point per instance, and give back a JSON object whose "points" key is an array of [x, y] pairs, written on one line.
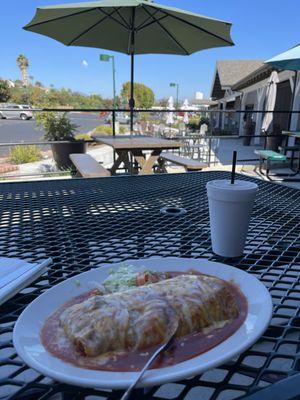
{"points": [[142, 372]]}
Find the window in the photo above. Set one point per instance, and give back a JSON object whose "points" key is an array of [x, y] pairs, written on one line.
{"points": [[12, 107]]}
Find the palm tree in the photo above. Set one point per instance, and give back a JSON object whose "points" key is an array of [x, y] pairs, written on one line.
{"points": [[23, 64]]}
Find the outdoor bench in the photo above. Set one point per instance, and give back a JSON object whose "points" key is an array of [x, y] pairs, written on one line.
{"points": [[293, 149], [267, 157], [189, 164], [88, 167]]}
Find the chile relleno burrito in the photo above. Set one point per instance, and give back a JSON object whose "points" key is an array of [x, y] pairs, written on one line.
{"points": [[139, 318]]}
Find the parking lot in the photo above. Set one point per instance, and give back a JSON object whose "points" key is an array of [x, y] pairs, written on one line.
{"points": [[15, 130]]}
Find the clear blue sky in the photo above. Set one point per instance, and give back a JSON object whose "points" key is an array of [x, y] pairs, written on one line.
{"points": [[261, 29]]}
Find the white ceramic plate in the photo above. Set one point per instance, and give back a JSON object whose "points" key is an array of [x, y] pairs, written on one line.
{"points": [[26, 335]]}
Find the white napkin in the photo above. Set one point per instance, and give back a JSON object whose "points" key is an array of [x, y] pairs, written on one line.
{"points": [[15, 274]]}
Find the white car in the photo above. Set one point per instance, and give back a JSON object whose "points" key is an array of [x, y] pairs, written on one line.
{"points": [[10, 110]]}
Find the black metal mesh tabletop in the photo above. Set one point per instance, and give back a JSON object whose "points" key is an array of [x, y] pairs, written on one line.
{"points": [[83, 223]]}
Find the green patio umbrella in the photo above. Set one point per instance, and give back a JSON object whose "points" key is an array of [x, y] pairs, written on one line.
{"points": [[130, 27], [289, 60]]}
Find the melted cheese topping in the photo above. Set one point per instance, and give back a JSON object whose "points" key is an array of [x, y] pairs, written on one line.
{"points": [[140, 317]]}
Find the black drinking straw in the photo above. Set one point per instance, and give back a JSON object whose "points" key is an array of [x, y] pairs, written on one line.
{"points": [[233, 167]]}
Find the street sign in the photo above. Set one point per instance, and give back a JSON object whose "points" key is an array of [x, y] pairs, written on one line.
{"points": [[104, 57]]}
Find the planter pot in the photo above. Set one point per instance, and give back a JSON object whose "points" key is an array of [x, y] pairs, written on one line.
{"points": [[61, 153]]}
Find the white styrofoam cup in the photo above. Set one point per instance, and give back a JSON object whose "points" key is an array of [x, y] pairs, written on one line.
{"points": [[230, 207]]}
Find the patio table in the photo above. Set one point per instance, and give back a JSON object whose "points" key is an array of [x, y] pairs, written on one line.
{"points": [[137, 145], [83, 223]]}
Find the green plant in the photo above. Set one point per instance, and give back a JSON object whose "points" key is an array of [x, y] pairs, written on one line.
{"points": [[143, 116], [5, 92], [103, 130], [193, 127], [25, 154], [204, 120], [107, 130], [156, 121], [194, 120], [82, 136], [57, 126], [86, 136]]}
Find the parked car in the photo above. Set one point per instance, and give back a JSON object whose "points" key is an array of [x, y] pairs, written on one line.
{"points": [[10, 110], [120, 117]]}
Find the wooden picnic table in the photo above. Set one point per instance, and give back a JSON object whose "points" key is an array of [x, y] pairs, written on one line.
{"points": [[137, 146]]}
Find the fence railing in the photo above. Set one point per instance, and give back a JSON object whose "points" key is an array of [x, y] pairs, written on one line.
{"points": [[210, 135]]}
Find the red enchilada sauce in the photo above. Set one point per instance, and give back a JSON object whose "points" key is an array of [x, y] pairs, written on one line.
{"points": [[185, 348]]}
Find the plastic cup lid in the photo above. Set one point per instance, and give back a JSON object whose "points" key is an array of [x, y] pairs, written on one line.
{"points": [[225, 184], [223, 190]]}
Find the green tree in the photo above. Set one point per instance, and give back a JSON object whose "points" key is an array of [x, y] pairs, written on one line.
{"points": [[18, 83], [5, 92], [162, 102], [23, 64], [19, 95], [108, 103], [144, 96], [38, 96]]}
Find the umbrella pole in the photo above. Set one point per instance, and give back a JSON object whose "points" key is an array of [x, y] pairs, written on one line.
{"points": [[293, 99], [131, 101], [132, 40]]}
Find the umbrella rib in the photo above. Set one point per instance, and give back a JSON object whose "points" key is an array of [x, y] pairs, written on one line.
{"points": [[146, 20], [122, 18], [168, 33], [197, 27], [131, 33], [141, 27], [107, 15], [62, 17]]}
